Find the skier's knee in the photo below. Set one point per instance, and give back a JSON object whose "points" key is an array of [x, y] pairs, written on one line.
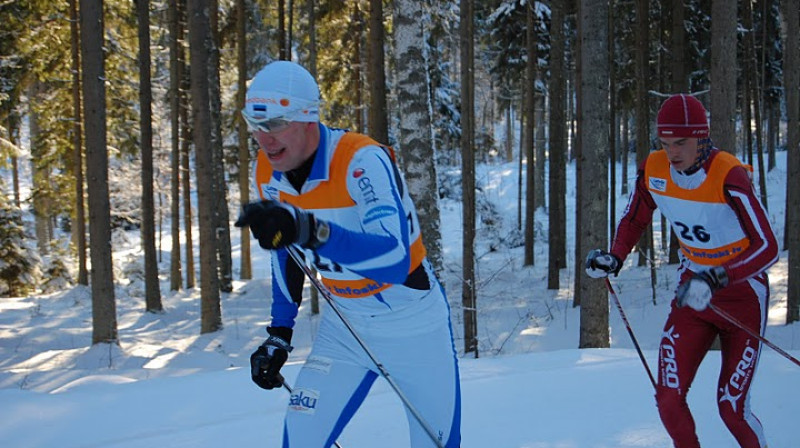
{"points": [[668, 399]]}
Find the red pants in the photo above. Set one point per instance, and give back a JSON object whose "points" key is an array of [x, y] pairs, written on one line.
{"points": [[687, 337]]}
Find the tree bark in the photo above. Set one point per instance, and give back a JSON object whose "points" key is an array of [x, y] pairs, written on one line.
{"points": [[219, 193], [415, 127], [468, 289], [175, 75], [312, 68], [13, 132], [613, 126], [151, 282], [283, 54], [723, 74], [558, 151], [199, 47], [594, 159], [77, 143], [186, 139], [577, 148], [680, 84], [104, 312], [39, 171], [378, 112], [753, 83], [528, 137], [246, 263], [791, 83], [642, 106]]}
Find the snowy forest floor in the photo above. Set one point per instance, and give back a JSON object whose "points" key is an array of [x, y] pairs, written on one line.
{"points": [[165, 384]]}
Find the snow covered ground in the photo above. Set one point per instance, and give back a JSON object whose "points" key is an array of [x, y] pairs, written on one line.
{"points": [[168, 386]]}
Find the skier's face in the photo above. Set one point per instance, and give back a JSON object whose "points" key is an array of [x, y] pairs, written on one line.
{"points": [[681, 151], [287, 148]]}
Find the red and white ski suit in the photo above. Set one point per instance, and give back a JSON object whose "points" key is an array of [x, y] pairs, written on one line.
{"points": [[719, 221]]}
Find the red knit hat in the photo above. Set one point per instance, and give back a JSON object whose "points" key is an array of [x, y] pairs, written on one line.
{"points": [[682, 116]]}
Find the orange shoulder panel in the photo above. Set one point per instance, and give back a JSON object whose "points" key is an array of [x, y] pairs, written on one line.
{"points": [[331, 193], [710, 191]]}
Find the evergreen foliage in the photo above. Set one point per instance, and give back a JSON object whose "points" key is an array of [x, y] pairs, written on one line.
{"points": [[19, 263]]}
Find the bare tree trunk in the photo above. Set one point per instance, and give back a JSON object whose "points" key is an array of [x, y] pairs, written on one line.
{"points": [[289, 27], [175, 75], [468, 288], [415, 127], [199, 47], [625, 145], [680, 80], [594, 158], [680, 83], [312, 38], [612, 130], [747, 118], [773, 121], [558, 151], [186, 138], [378, 112], [13, 132], [541, 151], [312, 68], [752, 88], [791, 82], [521, 165], [770, 33], [528, 137], [577, 149], [723, 74], [358, 18], [283, 54], [642, 108], [104, 310], [246, 263], [509, 132], [219, 193], [41, 213], [77, 143], [152, 288]]}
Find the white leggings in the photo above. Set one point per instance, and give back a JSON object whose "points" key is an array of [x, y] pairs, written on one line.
{"points": [[415, 346]]}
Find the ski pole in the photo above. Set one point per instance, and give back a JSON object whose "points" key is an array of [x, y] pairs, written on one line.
{"points": [[734, 321], [327, 296], [630, 331], [293, 252], [289, 389]]}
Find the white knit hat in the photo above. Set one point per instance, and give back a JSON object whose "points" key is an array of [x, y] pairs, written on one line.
{"points": [[283, 89]]}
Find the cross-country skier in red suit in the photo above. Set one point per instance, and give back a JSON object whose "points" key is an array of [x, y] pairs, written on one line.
{"points": [[727, 245]]}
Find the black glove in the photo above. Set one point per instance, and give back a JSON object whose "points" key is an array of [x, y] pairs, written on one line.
{"points": [[267, 360], [276, 225], [600, 263], [698, 290]]}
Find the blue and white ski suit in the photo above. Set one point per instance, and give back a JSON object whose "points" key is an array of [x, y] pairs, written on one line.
{"points": [[375, 268]]}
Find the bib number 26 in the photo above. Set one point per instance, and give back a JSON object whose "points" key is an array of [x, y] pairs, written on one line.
{"points": [[693, 233]]}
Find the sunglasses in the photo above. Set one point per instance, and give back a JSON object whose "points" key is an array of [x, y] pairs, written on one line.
{"points": [[265, 124]]}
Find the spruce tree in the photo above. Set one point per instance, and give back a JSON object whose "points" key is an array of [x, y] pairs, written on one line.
{"points": [[19, 264]]}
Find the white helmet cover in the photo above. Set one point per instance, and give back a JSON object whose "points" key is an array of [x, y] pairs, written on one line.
{"points": [[283, 89]]}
